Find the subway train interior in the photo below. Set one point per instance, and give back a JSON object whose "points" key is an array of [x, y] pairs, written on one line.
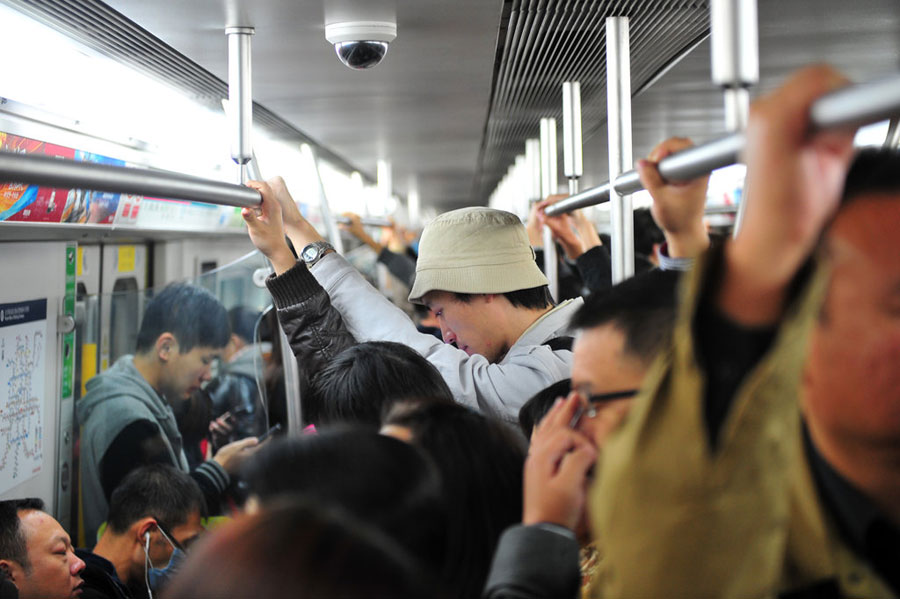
{"points": [[396, 110]]}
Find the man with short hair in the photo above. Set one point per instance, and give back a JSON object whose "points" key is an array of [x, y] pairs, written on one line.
{"points": [[504, 340], [234, 392], [36, 554], [765, 460], [126, 415], [618, 336], [154, 507]]}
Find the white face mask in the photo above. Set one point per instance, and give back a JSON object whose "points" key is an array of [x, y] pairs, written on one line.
{"points": [[157, 578]]}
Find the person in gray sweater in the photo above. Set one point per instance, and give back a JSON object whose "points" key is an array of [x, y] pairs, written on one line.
{"points": [[126, 415]]}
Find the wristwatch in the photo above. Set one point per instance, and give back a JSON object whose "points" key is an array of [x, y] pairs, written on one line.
{"points": [[313, 252]]}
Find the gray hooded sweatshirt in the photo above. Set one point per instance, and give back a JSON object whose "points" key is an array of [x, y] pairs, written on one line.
{"points": [[115, 399]]}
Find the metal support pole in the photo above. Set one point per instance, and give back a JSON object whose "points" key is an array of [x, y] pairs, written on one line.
{"points": [[735, 64], [334, 233], [892, 140], [533, 162], [618, 103], [367, 221], [36, 169], [572, 156], [849, 107], [549, 186], [240, 96]]}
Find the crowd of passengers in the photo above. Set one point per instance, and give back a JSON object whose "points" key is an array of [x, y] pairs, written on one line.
{"points": [[726, 423]]}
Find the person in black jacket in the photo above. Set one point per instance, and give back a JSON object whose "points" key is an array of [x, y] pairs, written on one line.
{"points": [[153, 515]]}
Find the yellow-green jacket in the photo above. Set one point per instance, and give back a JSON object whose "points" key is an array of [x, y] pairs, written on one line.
{"points": [[681, 520]]}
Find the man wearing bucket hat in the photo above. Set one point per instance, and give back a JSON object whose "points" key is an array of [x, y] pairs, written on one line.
{"points": [[504, 340]]}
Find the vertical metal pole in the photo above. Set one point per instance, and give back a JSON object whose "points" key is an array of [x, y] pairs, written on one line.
{"points": [[618, 102], [572, 159], [385, 180], [334, 232], [533, 161], [549, 186], [735, 64], [892, 139], [240, 96]]}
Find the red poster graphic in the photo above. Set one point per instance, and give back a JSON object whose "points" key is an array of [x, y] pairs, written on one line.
{"points": [[49, 202]]}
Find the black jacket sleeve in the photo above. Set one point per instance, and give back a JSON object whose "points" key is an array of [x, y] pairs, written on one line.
{"points": [[312, 324], [595, 266], [400, 265], [534, 562]]}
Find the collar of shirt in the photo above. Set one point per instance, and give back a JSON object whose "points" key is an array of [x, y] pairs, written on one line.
{"points": [[868, 532]]}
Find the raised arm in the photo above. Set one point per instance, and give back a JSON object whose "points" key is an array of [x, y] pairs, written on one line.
{"points": [[682, 513]]}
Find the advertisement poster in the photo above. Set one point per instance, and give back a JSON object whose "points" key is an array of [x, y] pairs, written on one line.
{"points": [[91, 206], [23, 360], [30, 203]]}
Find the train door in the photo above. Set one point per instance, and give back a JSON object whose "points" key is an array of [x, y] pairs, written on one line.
{"points": [[123, 281]]}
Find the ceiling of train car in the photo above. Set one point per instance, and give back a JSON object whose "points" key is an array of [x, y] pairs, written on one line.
{"points": [[462, 87], [861, 38], [422, 109]]}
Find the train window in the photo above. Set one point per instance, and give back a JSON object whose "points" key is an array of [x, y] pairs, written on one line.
{"points": [[125, 318]]}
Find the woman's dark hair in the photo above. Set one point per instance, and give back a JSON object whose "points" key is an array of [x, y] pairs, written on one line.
{"points": [[362, 381], [380, 480], [481, 463], [301, 550]]}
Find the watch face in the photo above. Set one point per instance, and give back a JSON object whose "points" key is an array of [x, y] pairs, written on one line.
{"points": [[309, 253]]}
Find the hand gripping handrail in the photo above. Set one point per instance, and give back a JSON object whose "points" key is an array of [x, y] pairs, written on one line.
{"points": [[855, 105]]}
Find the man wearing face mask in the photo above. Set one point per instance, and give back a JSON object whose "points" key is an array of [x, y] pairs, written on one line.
{"points": [[153, 515]]}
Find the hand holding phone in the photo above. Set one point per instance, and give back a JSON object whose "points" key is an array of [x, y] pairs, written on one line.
{"points": [[269, 433]]}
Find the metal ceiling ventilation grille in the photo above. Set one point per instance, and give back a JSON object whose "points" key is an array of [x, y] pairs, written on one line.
{"points": [[543, 43], [98, 26]]}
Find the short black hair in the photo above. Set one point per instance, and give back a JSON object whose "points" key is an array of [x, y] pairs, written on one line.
{"points": [[364, 380], [642, 307], [12, 541], [243, 322], [301, 549], [540, 403], [158, 491], [873, 170], [191, 313], [379, 479], [534, 298]]}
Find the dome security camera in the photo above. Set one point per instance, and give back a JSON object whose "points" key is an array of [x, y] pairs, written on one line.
{"points": [[361, 44]]}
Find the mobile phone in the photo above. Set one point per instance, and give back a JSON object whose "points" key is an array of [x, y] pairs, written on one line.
{"points": [[269, 433]]}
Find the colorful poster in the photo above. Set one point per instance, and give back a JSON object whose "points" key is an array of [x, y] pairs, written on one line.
{"points": [[92, 206], [15, 197], [129, 208], [23, 360], [46, 203]]}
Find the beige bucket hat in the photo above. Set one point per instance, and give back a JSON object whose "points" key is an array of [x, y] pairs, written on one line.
{"points": [[475, 250]]}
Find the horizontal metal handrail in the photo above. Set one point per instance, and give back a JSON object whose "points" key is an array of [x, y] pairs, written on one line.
{"points": [[58, 172], [855, 105], [35, 169], [366, 221]]}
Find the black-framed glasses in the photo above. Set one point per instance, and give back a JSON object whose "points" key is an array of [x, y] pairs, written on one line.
{"points": [[590, 409]]}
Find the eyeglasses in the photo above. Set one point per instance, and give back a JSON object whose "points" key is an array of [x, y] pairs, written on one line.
{"points": [[593, 401]]}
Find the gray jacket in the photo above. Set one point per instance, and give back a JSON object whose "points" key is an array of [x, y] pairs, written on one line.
{"points": [[500, 389], [115, 399]]}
